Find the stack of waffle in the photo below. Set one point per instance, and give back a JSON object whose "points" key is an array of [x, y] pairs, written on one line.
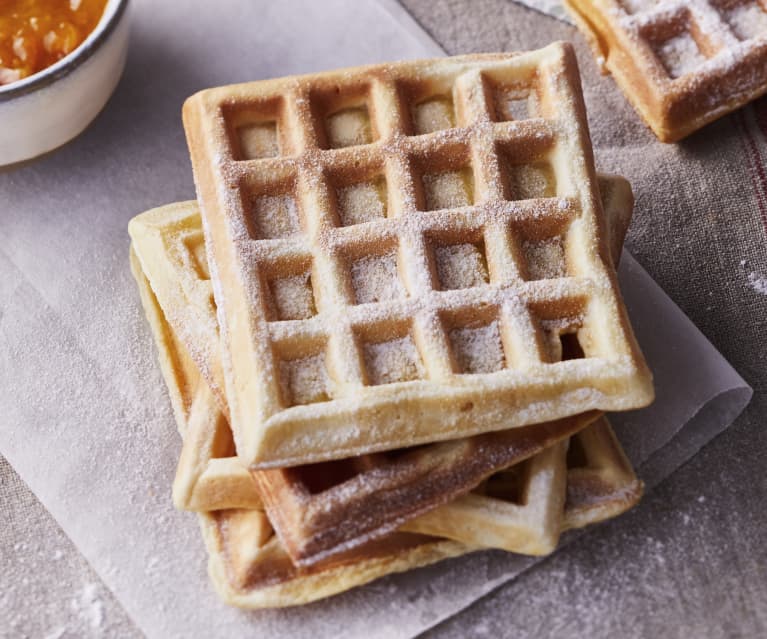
{"points": [[390, 324]]}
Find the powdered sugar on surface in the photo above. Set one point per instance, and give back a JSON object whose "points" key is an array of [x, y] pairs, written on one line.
{"points": [[90, 606], [758, 283]]}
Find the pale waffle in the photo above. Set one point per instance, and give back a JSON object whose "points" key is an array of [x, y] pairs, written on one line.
{"points": [[371, 494], [377, 235], [524, 508], [680, 63], [248, 564]]}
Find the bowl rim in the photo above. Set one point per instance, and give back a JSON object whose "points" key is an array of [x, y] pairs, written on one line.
{"points": [[73, 60]]}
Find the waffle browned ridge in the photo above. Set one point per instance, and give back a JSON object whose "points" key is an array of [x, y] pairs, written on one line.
{"points": [[406, 249], [524, 508], [682, 64], [325, 509]]}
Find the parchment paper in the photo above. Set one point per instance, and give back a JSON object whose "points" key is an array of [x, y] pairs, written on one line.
{"points": [[84, 417]]}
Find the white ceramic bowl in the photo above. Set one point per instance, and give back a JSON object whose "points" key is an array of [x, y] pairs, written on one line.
{"points": [[49, 108]]}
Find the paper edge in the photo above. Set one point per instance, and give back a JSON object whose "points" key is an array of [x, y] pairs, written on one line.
{"points": [[405, 20]]}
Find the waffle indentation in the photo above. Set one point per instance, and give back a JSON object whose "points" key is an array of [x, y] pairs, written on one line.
{"points": [[362, 202], [317, 478], [461, 265], [196, 247], [349, 127], [255, 129], [433, 114], [293, 297], [259, 140], [528, 180], [561, 338], [515, 100], [374, 278], [576, 454], [304, 380], [508, 485], [746, 19], [544, 259], [394, 360], [275, 216], [478, 349], [448, 190], [680, 55]]}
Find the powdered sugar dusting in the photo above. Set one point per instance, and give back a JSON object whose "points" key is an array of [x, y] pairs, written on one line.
{"points": [[395, 360], [758, 283], [375, 279], [258, 141], [460, 266], [305, 380], [433, 115], [478, 349], [293, 297], [680, 55], [276, 216], [362, 202], [747, 20], [544, 259], [447, 190], [349, 127], [534, 180]]}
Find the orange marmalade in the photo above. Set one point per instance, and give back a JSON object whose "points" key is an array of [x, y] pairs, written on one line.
{"points": [[36, 33]]}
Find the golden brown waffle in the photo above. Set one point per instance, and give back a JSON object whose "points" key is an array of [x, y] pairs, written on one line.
{"points": [[248, 564], [681, 64], [369, 495], [386, 255], [524, 508]]}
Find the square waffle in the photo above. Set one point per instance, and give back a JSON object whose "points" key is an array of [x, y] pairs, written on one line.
{"points": [[250, 567], [680, 64], [370, 494], [382, 265]]}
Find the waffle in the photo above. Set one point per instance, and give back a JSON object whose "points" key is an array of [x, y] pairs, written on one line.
{"points": [[524, 508], [385, 489], [248, 564], [680, 64], [382, 237]]}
